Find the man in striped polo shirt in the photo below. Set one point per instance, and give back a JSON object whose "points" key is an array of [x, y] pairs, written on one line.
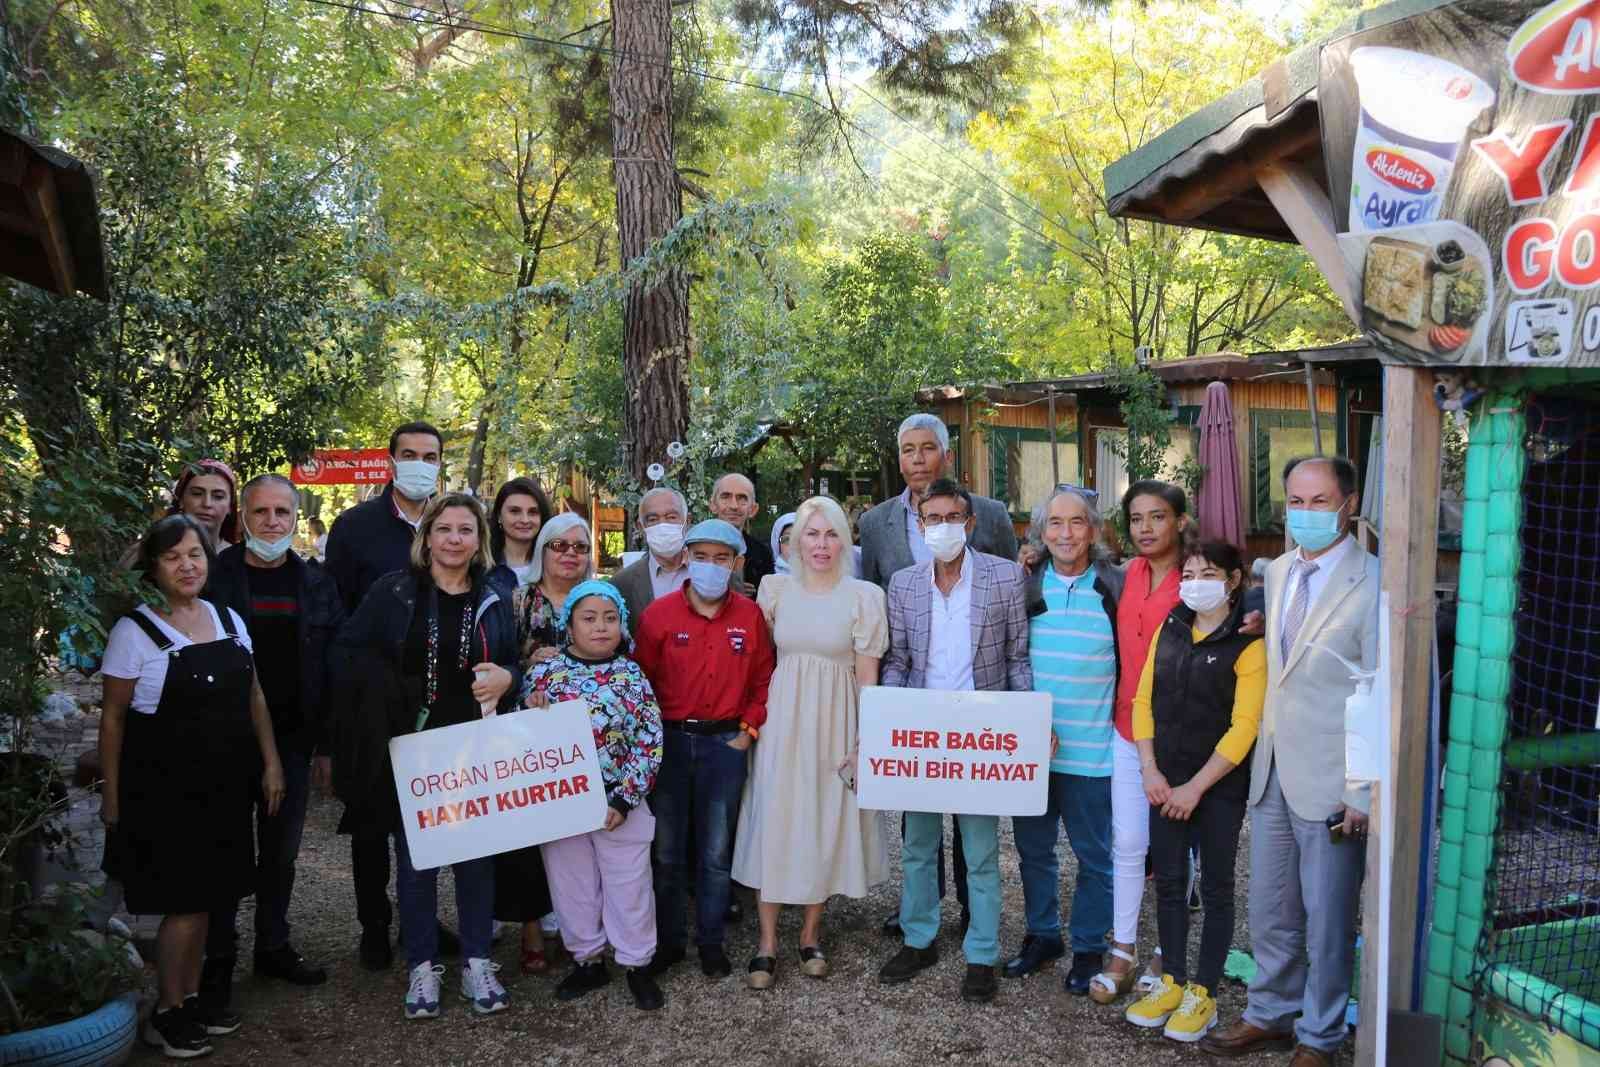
{"points": [[1072, 604]]}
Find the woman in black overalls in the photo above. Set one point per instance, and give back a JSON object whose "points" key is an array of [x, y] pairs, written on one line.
{"points": [[178, 778]]}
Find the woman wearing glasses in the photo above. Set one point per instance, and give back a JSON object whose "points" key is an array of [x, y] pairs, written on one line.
{"points": [[560, 561]]}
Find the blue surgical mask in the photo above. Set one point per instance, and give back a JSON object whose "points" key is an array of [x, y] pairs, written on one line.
{"points": [[1314, 530], [415, 479], [268, 551], [709, 580]]}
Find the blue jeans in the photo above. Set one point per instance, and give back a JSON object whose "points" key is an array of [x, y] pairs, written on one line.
{"points": [[919, 891], [700, 784], [1084, 805], [419, 905], [277, 848]]}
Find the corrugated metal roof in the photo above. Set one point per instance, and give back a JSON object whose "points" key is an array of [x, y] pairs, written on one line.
{"points": [[1174, 176]]}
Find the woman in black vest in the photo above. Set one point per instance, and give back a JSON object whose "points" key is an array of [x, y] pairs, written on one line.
{"points": [[1195, 718], [183, 728]]}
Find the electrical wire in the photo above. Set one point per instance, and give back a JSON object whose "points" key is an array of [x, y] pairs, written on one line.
{"points": [[449, 21]]}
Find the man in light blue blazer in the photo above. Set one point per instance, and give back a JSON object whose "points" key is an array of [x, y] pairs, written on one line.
{"points": [[1307, 822]]}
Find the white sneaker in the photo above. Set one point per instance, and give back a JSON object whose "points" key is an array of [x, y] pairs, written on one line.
{"points": [[480, 986], [422, 998]]}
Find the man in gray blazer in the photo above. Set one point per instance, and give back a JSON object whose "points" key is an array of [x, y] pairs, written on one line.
{"points": [[891, 540], [1307, 823], [663, 516], [959, 623]]}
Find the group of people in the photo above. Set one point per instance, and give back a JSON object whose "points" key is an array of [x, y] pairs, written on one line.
{"points": [[723, 677]]}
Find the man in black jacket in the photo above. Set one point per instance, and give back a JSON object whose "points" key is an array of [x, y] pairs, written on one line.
{"points": [[291, 608], [366, 542]]}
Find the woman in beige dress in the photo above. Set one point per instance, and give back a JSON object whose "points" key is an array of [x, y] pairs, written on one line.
{"points": [[801, 836]]}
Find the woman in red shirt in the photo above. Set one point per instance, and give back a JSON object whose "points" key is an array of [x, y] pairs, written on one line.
{"points": [[1156, 517]]}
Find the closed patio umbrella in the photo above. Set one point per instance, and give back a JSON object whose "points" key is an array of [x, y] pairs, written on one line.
{"points": [[1221, 498]]}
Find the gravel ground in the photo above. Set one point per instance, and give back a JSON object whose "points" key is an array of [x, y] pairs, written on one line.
{"points": [[847, 1019]]}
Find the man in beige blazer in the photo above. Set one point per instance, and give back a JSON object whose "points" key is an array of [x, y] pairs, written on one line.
{"points": [[1307, 824]]}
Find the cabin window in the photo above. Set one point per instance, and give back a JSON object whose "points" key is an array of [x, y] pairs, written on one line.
{"points": [[1275, 438], [1020, 474]]}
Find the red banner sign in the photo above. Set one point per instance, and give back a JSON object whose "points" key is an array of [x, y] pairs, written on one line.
{"points": [[343, 466]]}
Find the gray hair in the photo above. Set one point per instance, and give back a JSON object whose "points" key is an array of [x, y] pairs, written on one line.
{"points": [[1097, 521], [268, 479], [567, 520], [1258, 568], [683, 504], [924, 421]]}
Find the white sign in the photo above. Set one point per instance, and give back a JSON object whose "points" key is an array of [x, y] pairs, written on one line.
{"points": [[498, 784], [970, 753]]}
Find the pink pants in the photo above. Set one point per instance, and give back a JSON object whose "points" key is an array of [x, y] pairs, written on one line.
{"points": [[600, 885]]}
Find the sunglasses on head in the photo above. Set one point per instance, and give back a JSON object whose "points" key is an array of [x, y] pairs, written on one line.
{"points": [[1091, 495]]}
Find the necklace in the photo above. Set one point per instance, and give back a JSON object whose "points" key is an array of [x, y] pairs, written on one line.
{"points": [[187, 631]]}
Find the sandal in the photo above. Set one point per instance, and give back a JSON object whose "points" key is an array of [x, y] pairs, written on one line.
{"points": [[762, 972], [1107, 987], [812, 962], [534, 961], [1150, 980]]}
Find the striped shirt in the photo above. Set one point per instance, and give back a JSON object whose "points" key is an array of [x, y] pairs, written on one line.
{"points": [[1073, 648]]}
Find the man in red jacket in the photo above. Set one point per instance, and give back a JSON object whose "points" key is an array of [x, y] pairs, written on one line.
{"points": [[707, 653]]}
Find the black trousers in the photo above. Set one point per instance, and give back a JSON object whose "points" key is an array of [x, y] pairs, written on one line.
{"points": [[1213, 828], [369, 867], [958, 858]]}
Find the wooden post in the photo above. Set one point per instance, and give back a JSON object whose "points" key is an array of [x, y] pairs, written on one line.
{"points": [[1304, 206], [1311, 405], [1409, 554], [1055, 462]]}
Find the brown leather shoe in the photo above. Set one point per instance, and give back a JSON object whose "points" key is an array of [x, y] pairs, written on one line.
{"points": [[1242, 1038], [1306, 1056]]}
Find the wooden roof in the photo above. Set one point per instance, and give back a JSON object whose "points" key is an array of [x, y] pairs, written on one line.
{"points": [[49, 220], [1202, 172]]}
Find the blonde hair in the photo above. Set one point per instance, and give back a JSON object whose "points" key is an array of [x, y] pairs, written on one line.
{"points": [[830, 510], [481, 560]]}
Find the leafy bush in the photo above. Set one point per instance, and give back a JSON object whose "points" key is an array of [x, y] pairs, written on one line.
{"points": [[55, 969]]}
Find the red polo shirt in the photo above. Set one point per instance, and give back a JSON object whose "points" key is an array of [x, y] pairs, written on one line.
{"points": [[1140, 613], [700, 668]]}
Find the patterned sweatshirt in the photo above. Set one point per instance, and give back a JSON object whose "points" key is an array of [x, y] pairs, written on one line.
{"points": [[623, 712]]}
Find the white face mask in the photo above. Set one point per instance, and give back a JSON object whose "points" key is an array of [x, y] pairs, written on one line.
{"points": [[664, 538], [946, 540], [415, 479], [267, 551], [1203, 594]]}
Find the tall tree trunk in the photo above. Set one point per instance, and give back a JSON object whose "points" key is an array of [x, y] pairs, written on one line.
{"points": [[649, 203], [480, 444]]}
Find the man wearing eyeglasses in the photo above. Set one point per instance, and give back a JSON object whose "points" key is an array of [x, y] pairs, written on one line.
{"points": [[959, 623], [891, 540]]}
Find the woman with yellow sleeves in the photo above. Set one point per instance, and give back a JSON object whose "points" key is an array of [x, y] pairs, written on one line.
{"points": [[1195, 718]]}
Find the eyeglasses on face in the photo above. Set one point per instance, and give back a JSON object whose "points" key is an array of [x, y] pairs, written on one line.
{"points": [[561, 548]]}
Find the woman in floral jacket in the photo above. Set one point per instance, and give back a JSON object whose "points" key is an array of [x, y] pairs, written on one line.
{"points": [[600, 881]]}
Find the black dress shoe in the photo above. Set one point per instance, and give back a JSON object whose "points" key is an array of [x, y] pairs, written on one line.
{"points": [[1035, 953], [449, 944], [584, 978], [663, 961], [979, 986], [891, 927], [907, 963], [646, 994], [714, 962], [376, 952], [289, 965], [1085, 965]]}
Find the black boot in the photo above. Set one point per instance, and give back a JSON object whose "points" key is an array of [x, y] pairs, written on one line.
{"points": [[213, 1005]]}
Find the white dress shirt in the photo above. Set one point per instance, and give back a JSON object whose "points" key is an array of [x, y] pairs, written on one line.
{"points": [[664, 580], [919, 548], [950, 632], [1326, 563]]}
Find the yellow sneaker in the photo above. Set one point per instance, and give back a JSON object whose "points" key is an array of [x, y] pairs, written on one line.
{"points": [[1155, 1007], [1195, 1015]]}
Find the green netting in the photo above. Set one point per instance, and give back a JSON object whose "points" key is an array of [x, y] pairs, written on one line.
{"points": [[1481, 682]]}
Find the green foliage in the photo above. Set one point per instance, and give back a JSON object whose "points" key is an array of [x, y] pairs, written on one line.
{"points": [[56, 968]]}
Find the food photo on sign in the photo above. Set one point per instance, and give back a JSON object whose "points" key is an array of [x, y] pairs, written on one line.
{"points": [[1463, 155]]}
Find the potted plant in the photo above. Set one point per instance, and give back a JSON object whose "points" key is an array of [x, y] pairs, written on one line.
{"points": [[66, 993]]}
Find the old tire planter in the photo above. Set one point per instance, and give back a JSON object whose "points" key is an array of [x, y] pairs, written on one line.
{"points": [[104, 1036]]}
